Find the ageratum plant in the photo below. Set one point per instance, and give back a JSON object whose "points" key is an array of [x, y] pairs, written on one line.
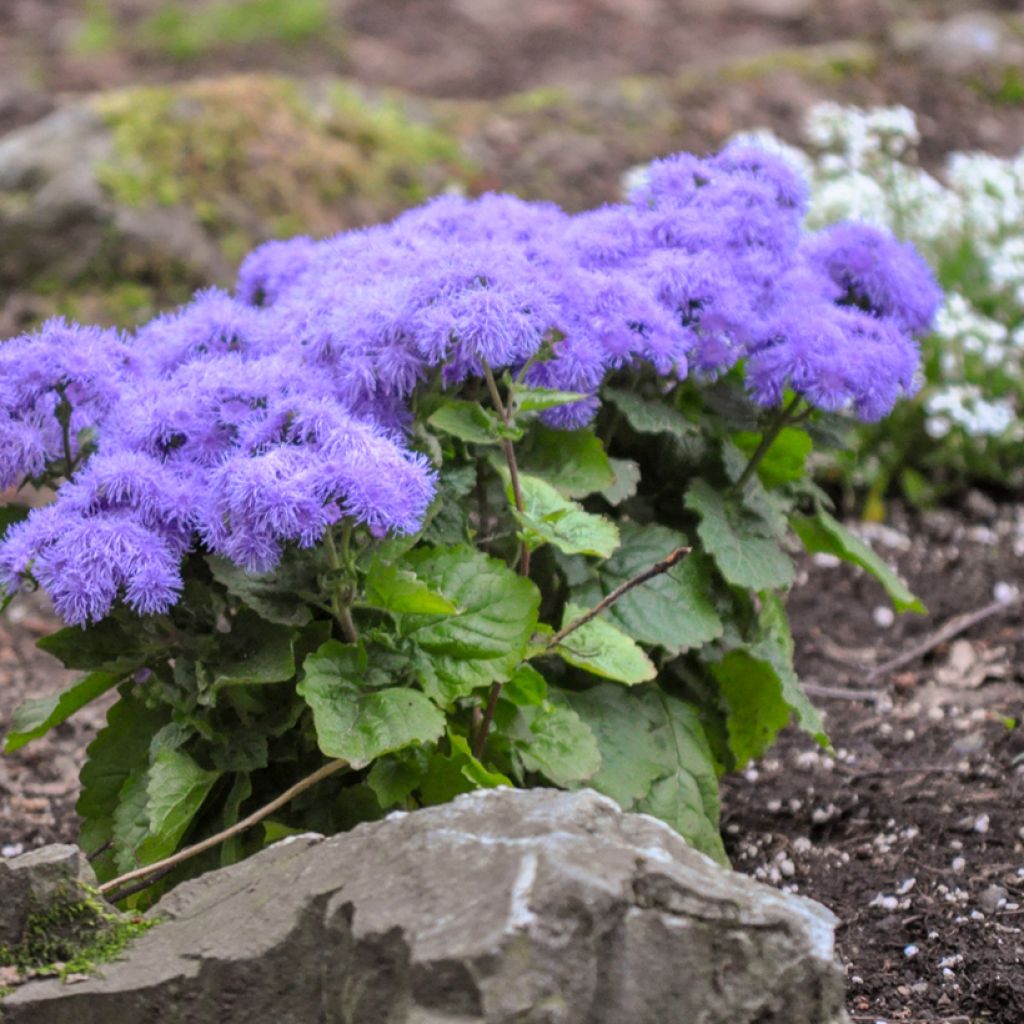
{"points": [[490, 495], [965, 426]]}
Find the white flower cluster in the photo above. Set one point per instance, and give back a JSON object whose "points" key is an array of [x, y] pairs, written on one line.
{"points": [[862, 165]]}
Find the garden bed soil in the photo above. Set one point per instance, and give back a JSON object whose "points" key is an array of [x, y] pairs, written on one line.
{"points": [[910, 829]]}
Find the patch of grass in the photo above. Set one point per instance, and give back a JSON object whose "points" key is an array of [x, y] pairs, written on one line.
{"points": [[184, 33]]}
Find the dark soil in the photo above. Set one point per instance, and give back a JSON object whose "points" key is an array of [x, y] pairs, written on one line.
{"points": [[910, 829]]}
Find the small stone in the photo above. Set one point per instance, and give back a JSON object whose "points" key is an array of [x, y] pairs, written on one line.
{"points": [[981, 823], [910, 952], [884, 616], [787, 867], [992, 899], [1004, 592], [958, 865]]}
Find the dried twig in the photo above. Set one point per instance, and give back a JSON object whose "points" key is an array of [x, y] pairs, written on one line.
{"points": [[841, 693], [954, 627], [161, 866]]}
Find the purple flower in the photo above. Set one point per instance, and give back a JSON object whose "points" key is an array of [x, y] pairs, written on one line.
{"points": [[878, 273]]}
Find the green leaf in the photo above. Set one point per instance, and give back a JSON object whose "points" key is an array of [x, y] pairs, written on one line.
{"points": [[650, 416], [241, 749], [627, 477], [672, 610], [786, 458], [603, 650], [11, 514], [531, 399], [398, 590], [39, 715], [526, 687], [447, 519], [359, 724], [119, 749], [654, 758], [272, 595], [176, 788], [395, 776], [234, 849], [572, 461], [822, 532], [549, 518], [255, 651], [556, 743], [757, 710], [106, 646], [740, 542], [448, 775], [485, 641], [775, 646], [470, 421], [131, 820]]}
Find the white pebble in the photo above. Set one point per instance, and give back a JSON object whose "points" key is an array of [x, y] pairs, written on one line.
{"points": [[910, 951], [802, 844], [981, 824], [12, 850], [883, 616], [958, 865], [787, 867], [1005, 592]]}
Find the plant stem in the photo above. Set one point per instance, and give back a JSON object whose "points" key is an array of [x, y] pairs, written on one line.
{"points": [[773, 430], [340, 599], [513, 466], [246, 823], [63, 414], [668, 562]]}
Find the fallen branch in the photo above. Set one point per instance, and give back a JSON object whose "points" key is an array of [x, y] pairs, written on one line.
{"points": [[953, 628], [257, 816]]}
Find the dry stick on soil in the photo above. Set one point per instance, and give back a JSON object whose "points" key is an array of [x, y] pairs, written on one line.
{"points": [[956, 625], [649, 573], [246, 823]]}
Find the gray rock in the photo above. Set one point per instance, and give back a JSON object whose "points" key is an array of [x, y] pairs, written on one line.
{"points": [[536, 907], [970, 41], [38, 881]]}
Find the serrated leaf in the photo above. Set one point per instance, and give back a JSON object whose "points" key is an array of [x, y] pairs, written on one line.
{"points": [[526, 687], [448, 775], [177, 788], [774, 645], [556, 743], [650, 416], [468, 421], [105, 646], [673, 610], [485, 641], [603, 650], [394, 776], [624, 485], [37, 716], [120, 748], [737, 540], [823, 533], [757, 710], [654, 758], [531, 399], [547, 517], [255, 652], [359, 724], [271, 595], [786, 457], [574, 462], [398, 590], [447, 519]]}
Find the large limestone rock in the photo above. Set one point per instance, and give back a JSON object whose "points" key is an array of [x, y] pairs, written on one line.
{"points": [[536, 907]]}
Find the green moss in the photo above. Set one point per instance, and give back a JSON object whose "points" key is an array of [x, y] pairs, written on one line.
{"points": [[829, 63], [74, 935], [254, 157]]}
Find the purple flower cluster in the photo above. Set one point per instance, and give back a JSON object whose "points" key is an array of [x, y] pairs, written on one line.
{"points": [[241, 424]]}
